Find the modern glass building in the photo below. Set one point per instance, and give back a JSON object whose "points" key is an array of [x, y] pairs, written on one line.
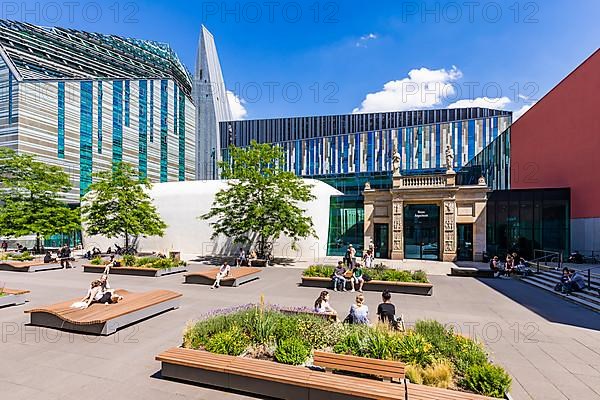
{"points": [[84, 100], [346, 151]]}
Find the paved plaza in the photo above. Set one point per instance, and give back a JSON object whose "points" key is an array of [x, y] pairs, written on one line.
{"points": [[549, 346]]}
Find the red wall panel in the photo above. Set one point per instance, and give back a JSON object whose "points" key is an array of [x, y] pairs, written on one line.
{"points": [[557, 142]]}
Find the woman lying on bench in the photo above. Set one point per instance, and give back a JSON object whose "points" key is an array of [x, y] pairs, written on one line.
{"points": [[100, 292]]}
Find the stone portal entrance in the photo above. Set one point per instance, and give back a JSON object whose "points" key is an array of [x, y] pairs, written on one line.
{"points": [[424, 212]]}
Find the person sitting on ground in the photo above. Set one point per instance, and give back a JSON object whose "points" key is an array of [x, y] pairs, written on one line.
{"points": [[339, 280], [564, 279], [109, 250], [359, 312], [223, 272], [96, 252], [322, 304], [576, 283], [357, 278], [509, 266], [386, 311]]}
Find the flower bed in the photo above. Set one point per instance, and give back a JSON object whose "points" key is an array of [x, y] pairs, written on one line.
{"points": [[142, 262], [379, 273], [434, 355], [25, 256]]}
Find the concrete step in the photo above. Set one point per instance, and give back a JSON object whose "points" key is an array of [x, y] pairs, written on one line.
{"points": [[555, 278], [587, 299], [595, 281]]}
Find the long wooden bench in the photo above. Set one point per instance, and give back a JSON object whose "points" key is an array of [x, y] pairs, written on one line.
{"points": [[236, 277], [102, 319], [386, 369], [471, 272], [27, 266], [280, 381], [13, 297], [136, 271]]}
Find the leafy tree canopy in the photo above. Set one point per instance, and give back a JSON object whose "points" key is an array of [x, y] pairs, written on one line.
{"points": [[118, 205], [31, 197], [261, 198]]}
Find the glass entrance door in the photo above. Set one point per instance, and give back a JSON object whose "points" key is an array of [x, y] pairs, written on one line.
{"points": [[422, 231], [381, 241], [465, 242]]}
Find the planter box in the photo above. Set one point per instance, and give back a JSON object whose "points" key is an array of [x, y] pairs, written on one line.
{"points": [[472, 272], [13, 297], [423, 289], [152, 272]]}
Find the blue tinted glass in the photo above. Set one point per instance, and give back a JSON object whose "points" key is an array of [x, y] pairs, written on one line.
{"points": [[85, 135], [151, 111], [100, 99], [181, 120], [164, 113], [61, 120], [143, 130], [127, 101], [117, 155]]}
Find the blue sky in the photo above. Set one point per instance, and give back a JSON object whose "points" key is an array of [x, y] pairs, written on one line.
{"points": [[286, 58]]}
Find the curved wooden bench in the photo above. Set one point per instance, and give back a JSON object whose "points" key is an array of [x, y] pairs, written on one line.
{"points": [[13, 297], [280, 381], [236, 277], [102, 319], [27, 266]]}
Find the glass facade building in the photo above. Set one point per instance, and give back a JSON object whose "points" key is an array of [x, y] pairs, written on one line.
{"points": [[83, 100], [346, 151]]}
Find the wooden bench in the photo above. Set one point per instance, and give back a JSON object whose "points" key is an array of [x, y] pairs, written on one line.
{"points": [[27, 266], [236, 277], [280, 381], [13, 297], [102, 319], [386, 369], [136, 271], [471, 272]]}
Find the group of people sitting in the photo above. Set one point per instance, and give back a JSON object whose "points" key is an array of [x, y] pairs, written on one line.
{"points": [[359, 311], [246, 259], [570, 281], [513, 264], [343, 275]]}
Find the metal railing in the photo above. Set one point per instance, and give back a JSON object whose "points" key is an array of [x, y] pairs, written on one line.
{"points": [[588, 272], [546, 255]]}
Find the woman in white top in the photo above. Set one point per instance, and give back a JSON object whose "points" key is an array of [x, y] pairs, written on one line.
{"points": [[322, 304], [359, 311], [223, 272], [96, 294]]}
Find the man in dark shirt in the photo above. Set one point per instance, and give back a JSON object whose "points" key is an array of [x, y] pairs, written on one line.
{"points": [[386, 310]]}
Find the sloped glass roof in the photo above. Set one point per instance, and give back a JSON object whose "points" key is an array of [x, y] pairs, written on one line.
{"points": [[41, 53]]}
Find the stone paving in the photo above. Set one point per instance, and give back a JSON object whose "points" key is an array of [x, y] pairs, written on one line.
{"points": [[549, 346]]}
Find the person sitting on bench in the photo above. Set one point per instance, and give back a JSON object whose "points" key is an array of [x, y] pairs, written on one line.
{"points": [[252, 256], [48, 257], [339, 280], [223, 272], [95, 294]]}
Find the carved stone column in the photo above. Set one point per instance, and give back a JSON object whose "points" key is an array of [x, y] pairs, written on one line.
{"points": [[397, 229], [449, 236]]}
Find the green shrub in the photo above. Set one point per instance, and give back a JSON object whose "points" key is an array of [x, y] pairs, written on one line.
{"points": [[467, 353], [420, 276], [285, 328], [414, 373], [412, 348], [97, 261], [377, 343], [292, 351], [487, 380], [322, 271], [318, 332], [438, 374], [232, 342], [352, 344], [24, 256], [260, 326], [128, 260], [143, 261]]}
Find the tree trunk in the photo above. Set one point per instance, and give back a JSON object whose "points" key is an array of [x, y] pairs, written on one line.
{"points": [[37, 243], [126, 241]]}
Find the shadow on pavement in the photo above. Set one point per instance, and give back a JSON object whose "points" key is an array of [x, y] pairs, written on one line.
{"points": [[547, 305]]}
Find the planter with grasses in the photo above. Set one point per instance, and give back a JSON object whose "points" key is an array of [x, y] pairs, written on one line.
{"points": [[382, 278], [139, 266]]}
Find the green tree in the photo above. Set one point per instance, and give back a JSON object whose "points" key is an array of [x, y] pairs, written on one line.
{"points": [[261, 199], [31, 198], [118, 204]]}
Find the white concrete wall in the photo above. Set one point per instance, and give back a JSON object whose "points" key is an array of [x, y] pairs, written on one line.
{"points": [[180, 204], [585, 235]]}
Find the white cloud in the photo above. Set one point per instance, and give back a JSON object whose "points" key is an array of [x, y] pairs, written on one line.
{"points": [[519, 113], [236, 104], [423, 88], [362, 41], [498, 103]]}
